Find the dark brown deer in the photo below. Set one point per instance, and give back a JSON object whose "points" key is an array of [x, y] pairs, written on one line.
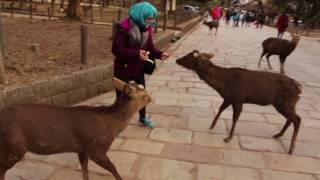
{"points": [[85, 130], [238, 86], [212, 24], [281, 47]]}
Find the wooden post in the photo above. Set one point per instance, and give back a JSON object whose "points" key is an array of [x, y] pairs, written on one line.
{"points": [[91, 11], [175, 19], [84, 43], [165, 15], [20, 4], [124, 3], [11, 9], [49, 13], [108, 3], [101, 13], [62, 4], [2, 76], [35, 7], [52, 7], [30, 11], [119, 14]]}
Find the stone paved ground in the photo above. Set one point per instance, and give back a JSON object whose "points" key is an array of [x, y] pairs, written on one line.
{"points": [[182, 147]]}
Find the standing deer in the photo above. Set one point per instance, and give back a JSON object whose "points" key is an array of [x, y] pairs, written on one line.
{"points": [[239, 86], [281, 47], [85, 130]]}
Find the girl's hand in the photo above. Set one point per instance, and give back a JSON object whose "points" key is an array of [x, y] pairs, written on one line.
{"points": [[164, 56], [143, 55]]}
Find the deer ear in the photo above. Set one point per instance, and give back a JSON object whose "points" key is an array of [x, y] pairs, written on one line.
{"points": [[118, 84], [209, 55]]}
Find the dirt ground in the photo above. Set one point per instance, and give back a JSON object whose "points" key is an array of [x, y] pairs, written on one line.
{"points": [[58, 44]]}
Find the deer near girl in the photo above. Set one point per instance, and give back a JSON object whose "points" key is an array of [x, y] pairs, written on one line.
{"points": [[85, 130], [238, 86]]}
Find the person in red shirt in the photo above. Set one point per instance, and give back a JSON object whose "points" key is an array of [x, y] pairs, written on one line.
{"points": [[282, 24]]}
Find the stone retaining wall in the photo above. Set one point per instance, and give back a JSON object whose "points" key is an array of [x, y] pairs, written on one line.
{"points": [[64, 90], [72, 88]]}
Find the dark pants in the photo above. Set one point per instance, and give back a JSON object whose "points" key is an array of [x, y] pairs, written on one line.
{"points": [[138, 79]]}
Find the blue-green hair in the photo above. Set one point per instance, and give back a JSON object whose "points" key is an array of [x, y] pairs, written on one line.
{"points": [[139, 12]]}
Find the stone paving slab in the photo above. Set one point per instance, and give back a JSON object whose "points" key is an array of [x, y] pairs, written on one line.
{"points": [[182, 147], [277, 175], [210, 172]]}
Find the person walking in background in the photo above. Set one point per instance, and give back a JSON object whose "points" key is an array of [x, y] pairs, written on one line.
{"points": [[131, 45], [282, 24], [236, 18], [228, 15], [244, 18], [261, 19], [216, 13]]}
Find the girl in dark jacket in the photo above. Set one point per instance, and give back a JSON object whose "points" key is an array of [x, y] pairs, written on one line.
{"points": [[130, 46]]}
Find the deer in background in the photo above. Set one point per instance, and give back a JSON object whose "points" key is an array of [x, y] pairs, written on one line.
{"points": [[281, 47], [85, 130], [239, 86], [211, 25]]}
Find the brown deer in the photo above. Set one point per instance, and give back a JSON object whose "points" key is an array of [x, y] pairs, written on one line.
{"points": [[85, 130], [238, 86], [281, 47], [212, 24]]}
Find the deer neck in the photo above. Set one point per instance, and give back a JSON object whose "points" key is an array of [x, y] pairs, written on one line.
{"points": [[293, 44], [122, 110], [212, 75]]}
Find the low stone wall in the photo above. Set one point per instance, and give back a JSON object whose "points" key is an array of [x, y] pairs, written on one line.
{"points": [[186, 26], [72, 88], [64, 90]]}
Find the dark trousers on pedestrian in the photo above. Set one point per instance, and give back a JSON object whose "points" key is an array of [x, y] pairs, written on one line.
{"points": [[139, 79]]}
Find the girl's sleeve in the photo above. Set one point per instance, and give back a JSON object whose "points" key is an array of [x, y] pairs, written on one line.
{"points": [[120, 49], [154, 51]]}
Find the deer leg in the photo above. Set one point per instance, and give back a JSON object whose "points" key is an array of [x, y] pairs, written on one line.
{"points": [[104, 161], [83, 158], [14, 149], [296, 126], [283, 110], [237, 108], [263, 53], [2, 172], [268, 55], [290, 114], [283, 130], [282, 60], [216, 31], [223, 106]]}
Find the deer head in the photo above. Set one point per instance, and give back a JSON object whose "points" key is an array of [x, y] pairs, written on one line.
{"points": [[194, 59], [136, 92], [295, 38]]}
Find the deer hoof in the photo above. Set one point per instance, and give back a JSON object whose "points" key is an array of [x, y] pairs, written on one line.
{"points": [[226, 140], [290, 151], [276, 136]]}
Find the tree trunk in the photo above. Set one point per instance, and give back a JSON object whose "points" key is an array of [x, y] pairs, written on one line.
{"points": [[312, 20], [73, 10], [260, 6], [62, 4]]}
